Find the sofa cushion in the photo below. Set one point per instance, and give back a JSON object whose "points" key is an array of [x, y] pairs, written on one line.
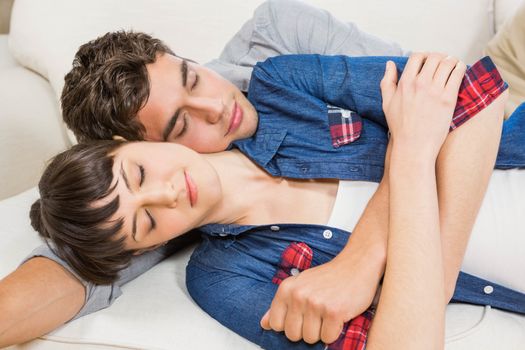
{"points": [[156, 312]]}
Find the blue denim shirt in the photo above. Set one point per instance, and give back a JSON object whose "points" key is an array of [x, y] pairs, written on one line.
{"points": [[291, 94], [230, 274]]}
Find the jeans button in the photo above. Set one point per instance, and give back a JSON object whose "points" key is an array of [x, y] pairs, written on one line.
{"points": [[275, 228]]}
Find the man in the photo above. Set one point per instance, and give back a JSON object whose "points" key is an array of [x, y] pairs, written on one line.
{"points": [[160, 123]]}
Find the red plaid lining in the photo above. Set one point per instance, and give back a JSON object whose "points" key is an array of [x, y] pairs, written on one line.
{"points": [[353, 336], [481, 85], [345, 126], [295, 256]]}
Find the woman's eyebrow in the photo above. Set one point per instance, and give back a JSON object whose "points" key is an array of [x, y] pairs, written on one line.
{"points": [[134, 222]]}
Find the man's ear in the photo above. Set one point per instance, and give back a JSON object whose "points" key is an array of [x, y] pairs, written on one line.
{"points": [[118, 138]]}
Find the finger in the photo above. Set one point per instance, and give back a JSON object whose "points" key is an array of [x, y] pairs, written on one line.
{"points": [[312, 327], [455, 79], [430, 66], [389, 83], [413, 66], [446, 66], [293, 324], [331, 329], [277, 317], [278, 309], [265, 321]]}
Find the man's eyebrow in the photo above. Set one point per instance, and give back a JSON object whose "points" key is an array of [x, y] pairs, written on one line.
{"points": [[134, 222], [173, 120], [171, 124], [184, 72]]}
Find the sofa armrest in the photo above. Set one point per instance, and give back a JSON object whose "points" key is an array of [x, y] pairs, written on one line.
{"points": [[31, 131]]}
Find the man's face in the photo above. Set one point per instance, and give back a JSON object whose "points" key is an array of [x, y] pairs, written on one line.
{"points": [[194, 106]]}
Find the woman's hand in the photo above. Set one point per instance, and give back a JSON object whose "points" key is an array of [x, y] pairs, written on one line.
{"points": [[420, 106]]}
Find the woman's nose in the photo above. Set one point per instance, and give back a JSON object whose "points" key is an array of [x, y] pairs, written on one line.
{"points": [[163, 195]]}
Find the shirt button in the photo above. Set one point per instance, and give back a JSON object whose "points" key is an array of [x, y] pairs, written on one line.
{"points": [[275, 228], [294, 271], [488, 289], [327, 234], [223, 234]]}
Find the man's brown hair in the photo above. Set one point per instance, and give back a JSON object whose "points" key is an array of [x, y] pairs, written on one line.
{"points": [[109, 84]]}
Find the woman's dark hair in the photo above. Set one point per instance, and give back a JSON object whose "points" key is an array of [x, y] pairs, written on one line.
{"points": [[109, 84], [80, 232]]}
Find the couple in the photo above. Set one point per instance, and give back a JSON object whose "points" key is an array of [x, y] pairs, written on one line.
{"points": [[71, 302], [134, 197]]}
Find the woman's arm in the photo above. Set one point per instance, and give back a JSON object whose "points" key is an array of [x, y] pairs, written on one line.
{"points": [[411, 310]]}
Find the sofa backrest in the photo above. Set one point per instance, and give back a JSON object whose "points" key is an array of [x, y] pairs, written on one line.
{"points": [[45, 34]]}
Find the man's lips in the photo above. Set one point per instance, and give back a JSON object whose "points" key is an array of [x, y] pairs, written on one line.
{"points": [[191, 189], [236, 118]]}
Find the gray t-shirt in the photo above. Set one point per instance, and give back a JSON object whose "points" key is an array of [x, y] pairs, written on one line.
{"points": [[277, 27]]}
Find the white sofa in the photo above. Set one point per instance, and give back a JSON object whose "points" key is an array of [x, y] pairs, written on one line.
{"points": [[156, 311]]}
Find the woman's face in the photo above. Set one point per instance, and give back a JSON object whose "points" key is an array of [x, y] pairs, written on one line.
{"points": [[164, 190]]}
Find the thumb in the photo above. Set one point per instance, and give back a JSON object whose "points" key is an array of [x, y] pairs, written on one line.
{"points": [[389, 83], [265, 321]]}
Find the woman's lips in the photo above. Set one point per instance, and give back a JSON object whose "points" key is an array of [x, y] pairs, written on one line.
{"points": [[192, 189], [236, 118]]}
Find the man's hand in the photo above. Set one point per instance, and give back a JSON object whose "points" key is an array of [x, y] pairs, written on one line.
{"points": [[315, 304]]}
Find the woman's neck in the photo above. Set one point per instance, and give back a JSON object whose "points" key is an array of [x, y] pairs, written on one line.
{"points": [[251, 196], [243, 185]]}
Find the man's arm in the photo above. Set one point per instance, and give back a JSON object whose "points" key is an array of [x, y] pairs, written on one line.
{"points": [[36, 298], [281, 27]]}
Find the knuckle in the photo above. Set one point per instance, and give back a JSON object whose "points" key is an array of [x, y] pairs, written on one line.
{"points": [[292, 335], [309, 339], [298, 295], [421, 84], [446, 100], [332, 312], [329, 338], [284, 288], [276, 325], [315, 303]]}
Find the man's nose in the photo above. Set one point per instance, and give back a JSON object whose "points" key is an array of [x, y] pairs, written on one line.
{"points": [[163, 195], [210, 110]]}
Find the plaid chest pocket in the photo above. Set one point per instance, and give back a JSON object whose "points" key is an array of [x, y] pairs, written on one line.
{"points": [[345, 126]]}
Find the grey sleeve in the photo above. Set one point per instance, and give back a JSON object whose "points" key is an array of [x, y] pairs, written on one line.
{"points": [[281, 27], [99, 297]]}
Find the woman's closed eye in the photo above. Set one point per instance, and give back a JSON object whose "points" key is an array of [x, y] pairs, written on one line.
{"points": [[195, 82], [142, 177]]}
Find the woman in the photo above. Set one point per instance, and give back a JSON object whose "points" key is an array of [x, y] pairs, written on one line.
{"points": [[142, 195]]}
